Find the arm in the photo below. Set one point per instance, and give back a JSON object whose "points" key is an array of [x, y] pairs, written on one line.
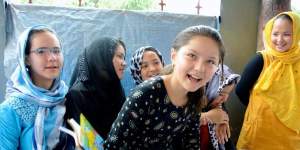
{"points": [[10, 128], [249, 77], [126, 126]]}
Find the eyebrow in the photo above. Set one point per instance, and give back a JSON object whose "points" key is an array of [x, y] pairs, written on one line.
{"points": [[211, 57]]}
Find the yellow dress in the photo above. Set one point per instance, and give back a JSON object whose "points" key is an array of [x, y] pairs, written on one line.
{"points": [[272, 118]]}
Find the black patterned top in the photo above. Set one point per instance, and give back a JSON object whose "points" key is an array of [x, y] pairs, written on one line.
{"points": [[148, 120]]}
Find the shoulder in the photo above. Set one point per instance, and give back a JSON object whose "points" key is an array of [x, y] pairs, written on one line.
{"points": [[153, 85], [76, 91], [148, 90], [10, 115], [19, 108]]}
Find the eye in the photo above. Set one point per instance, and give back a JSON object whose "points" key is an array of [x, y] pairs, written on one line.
{"points": [[121, 56], [40, 50], [191, 55], [56, 50], [156, 62], [287, 34], [144, 65], [212, 62]]}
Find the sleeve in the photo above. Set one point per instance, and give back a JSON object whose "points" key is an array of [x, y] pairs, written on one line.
{"points": [[191, 134], [10, 128], [249, 78], [125, 128], [72, 107], [229, 78]]}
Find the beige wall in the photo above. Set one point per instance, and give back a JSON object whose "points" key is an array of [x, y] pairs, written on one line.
{"points": [[239, 30]]}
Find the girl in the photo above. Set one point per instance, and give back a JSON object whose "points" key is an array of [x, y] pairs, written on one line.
{"points": [[214, 134], [33, 110], [270, 84], [146, 62], [96, 96], [165, 107]]}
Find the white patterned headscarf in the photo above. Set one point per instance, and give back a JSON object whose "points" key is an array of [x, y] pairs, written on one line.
{"points": [[136, 60], [50, 102]]}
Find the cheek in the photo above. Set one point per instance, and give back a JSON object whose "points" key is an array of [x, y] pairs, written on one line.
{"points": [[143, 73], [289, 41], [61, 61], [210, 72]]}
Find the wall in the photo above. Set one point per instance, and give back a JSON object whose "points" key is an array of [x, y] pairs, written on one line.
{"points": [[2, 45], [239, 30]]}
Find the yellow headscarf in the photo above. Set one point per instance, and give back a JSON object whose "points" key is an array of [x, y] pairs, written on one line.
{"points": [[279, 83]]}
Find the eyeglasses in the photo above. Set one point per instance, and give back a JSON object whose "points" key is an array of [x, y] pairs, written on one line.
{"points": [[44, 50]]}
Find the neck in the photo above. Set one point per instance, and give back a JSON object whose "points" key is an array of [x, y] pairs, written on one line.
{"points": [[176, 93], [43, 84]]}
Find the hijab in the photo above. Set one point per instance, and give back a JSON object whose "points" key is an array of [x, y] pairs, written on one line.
{"points": [[21, 86], [100, 88], [279, 81], [136, 62]]}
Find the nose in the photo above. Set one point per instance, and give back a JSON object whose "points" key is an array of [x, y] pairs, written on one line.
{"points": [[199, 66], [124, 64], [51, 56], [280, 38], [152, 67]]}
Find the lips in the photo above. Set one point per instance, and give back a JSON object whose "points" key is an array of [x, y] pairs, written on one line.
{"points": [[52, 67], [153, 75], [194, 78]]}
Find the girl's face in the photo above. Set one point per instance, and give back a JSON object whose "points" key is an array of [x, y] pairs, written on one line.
{"points": [[195, 63], [282, 35], [45, 59], [151, 65], [119, 61]]}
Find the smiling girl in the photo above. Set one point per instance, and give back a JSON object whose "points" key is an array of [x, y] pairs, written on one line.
{"points": [[270, 87], [34, 105], [164, 108]]}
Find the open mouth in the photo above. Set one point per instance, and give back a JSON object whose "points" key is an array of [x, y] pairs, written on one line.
{"points": [[153, 75], [193, 78]]}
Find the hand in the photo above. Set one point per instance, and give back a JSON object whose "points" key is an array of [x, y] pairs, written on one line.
{"points": [[217, 116], [223, 96], [223, 132], [203, 119], [77, 130]]}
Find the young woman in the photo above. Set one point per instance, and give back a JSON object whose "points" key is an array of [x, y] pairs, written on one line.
{"points": [[215, 133], [270, 87], [34, 106], [146, 62], [96, 96], [164, 108]]}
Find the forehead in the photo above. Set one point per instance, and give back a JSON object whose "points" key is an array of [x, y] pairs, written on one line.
{"points": [[44, 38], [203, 44], [282, 24], [149, 53], [120, 49]]}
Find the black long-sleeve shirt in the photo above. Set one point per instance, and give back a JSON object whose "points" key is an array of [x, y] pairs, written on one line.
{"points": [[249, 78]]}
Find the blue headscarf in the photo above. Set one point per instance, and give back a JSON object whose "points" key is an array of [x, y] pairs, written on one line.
{"points": [[20, 86]]}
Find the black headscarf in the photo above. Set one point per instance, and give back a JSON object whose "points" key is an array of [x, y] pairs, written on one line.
{"points": [[97, 92]]}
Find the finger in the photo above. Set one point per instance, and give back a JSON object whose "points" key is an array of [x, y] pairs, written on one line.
{"points": [[222, 135], [228, 131], [224, 130]]}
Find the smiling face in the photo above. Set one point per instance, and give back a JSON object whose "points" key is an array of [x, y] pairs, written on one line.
{"points": [[282, 35], [151, 65], [195, 63], [44, 66], [119, 61]]}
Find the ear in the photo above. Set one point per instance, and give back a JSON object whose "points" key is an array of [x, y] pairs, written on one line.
{"points": [[173, 55]]}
